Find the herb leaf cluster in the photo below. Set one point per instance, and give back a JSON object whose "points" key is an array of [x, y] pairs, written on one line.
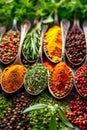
{"points": [[36, 79], [32, 42], [31, 9]]}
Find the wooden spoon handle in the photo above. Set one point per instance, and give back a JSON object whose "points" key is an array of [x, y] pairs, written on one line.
{"points": [[77, 23], [65, 24], [2, 31], [44, 28], [24, 29], [14, 26], [56, 21], [85, 32]]}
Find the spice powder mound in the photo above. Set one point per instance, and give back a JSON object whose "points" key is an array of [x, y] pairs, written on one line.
{"points": [[13, 78], [61, 80], [53, 43]]}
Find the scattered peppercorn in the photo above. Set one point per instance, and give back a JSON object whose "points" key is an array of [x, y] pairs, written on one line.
{"points": [[14, 118], [78, 114]]}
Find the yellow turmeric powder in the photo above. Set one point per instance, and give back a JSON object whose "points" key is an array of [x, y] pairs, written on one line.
{"points": [[12, 78], [53, 43]]}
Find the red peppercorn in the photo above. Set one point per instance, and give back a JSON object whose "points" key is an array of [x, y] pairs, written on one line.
{"points": [[9, 46], [78, 114]]}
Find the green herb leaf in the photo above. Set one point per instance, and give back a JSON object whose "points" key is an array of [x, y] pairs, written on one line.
{"points": [[48, 20], [53, 123], [35, 107], [63, 118]]}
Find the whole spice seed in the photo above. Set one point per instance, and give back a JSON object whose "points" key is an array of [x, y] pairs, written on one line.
{"points": [[12, 78], [61, 80], [13, 118], [53, 43], [75, 45], [9, 46], [78, 114], [81, 80], [36, 79]]}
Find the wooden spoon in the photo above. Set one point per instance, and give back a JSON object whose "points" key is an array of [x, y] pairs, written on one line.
{"points": [[17, 65], [36, 24], [2, 31], [81, 73], [30, 89], [74, 50], [14, 28], [59, 95], [45, 51]]}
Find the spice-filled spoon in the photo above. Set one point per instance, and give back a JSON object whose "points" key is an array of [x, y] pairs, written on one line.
{"points": [[53, 41], [76, 44], [13, 76], [31, 43], [9, 44], [81, 73], [61, 78], [36, 78]]}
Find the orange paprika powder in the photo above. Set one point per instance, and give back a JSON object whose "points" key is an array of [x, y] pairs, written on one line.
{"points": [[61, 79]]}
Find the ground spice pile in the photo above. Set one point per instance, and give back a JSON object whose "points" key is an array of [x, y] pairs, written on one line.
{"points": [[12, 78], [61, 80], [53, 43]]}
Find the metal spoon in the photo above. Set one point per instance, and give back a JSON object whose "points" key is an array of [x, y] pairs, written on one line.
{"points": [[81, 73], [70, 55], [24, 29], [38, 62], [64, 25], [14, 28], [56, 22]]}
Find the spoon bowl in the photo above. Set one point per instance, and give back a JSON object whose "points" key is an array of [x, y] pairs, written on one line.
{"points": [[32, 42], [81, 73], [36, 78], [75, 48], [10, 43], [53, 56], [16, 71], [57, 88]]}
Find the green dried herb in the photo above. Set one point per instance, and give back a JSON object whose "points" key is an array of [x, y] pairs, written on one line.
{"points": [[4, 103], [36, 79]]}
